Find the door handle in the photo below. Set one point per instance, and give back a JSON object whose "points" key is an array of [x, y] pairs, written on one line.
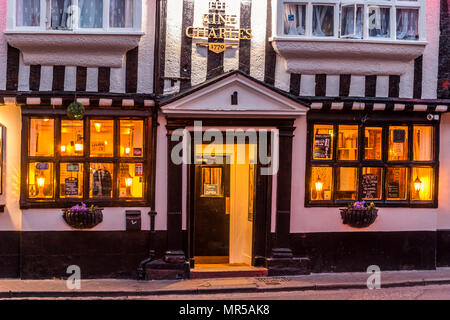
{"points": [[227, 205]]}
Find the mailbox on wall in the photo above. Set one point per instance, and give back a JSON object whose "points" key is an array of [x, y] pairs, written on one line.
{"points": [[133, 220]]}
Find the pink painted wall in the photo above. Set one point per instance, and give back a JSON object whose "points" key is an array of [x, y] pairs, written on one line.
{"points": [[3, 45]]}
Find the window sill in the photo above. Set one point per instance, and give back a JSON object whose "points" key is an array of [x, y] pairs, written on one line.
{"points": [[68, 204], [347, 56], [73, 48]]}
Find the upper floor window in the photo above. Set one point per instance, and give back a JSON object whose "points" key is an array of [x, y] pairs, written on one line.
{"points": [[362, 19], [77, 14]]}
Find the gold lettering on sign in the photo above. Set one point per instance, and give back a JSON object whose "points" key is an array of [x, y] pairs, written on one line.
{"points": [[219, 26]]}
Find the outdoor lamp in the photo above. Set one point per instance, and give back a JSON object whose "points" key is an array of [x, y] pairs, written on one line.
{"points": [[417, 184]]}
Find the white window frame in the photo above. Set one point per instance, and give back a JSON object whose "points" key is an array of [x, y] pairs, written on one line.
{"points": [[45, 19], [392, 4]]}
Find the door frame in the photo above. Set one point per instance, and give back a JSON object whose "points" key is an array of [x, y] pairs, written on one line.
{"points": [[262, 213]]}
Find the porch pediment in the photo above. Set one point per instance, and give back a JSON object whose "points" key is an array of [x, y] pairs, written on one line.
{"points": [[234, 94]]}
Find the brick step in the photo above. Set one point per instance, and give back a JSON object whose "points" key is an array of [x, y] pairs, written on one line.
{"points": [[251, 272]]}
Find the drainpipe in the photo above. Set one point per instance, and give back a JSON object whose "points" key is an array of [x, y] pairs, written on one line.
{"points": [[141, 272]]}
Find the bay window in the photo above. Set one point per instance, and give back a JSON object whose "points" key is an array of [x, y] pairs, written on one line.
{"points": [[77, 14], [362, 19], [389, 164], [99, 160]]}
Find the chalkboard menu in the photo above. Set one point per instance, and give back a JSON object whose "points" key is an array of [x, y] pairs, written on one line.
{"points": [[399, 136], [370, 186], [322, 146], [393, 190], [71, 186]]}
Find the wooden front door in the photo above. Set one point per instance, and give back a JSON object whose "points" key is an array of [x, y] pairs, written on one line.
{"points": [[212, 211]]}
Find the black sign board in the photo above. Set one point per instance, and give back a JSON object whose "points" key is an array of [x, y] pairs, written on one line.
{"points": [[71, 186], [370, 186], [399, 136], [393, 190], [322, 146]]}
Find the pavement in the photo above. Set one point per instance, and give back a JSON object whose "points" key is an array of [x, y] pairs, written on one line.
{"points": [[16, 288]]}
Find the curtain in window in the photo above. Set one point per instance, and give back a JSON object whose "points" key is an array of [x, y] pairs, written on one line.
{"points": [[121, 13], [379, 22], [347, 23], [323, 24], [91, 13], [61, 12], [28, 13], [407, 26], [293, 19]]}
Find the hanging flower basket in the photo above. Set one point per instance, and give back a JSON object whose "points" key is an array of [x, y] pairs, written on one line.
{"points": [[83, 217], [359, 214], [75, 111]]}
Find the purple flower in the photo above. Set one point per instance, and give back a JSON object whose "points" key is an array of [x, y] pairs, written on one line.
{"points": [[359, 205]]}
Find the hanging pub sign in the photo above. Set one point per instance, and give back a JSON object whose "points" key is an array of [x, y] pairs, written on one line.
{"points": [[217, 27]]}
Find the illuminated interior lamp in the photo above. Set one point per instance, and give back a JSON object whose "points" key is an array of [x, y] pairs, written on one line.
{"points": [[63, 148], [106, 142], [98, 126], [78, 147], [319, 185], [127, 150], [418, 185], [41, 181], [129, 182]]}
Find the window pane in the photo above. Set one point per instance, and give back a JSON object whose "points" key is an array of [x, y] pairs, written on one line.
{"points": [[379, 22], [347, 181], [422, 184], [61, 14], [28, 13], [131, 179], [407, 24], [131, 138], [1, 159], [41, 137], [121, 13], [423, 143], [398, 143], [323, 142], [351, 23], [371, 183], [102, 137], [101, 180], [323, 21], [321, 183], [40, 180], [348, 143], [396, 183], [71, 138], [71, 180], [212, 182], [373, 143], [294, 19], [91, 13]]}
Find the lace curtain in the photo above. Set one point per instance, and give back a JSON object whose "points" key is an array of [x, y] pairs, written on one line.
{"points": [[294, 22], [323, 23], [348, 26], [61, 13], [407, 26], [91, 13], [379, 22], [28, 13], [121, 13]]}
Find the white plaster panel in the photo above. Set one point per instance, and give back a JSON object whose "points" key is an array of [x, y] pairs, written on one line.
{"points": [[24, 76], [3, 46], [282, 78], [308, 85], [118, 76], [147, 48], [357, 86], [231, 55], [332, 86], [199, 55], [431, 54], [46, 82], [382, 86], [92, 79], [173, 38], [161, 176], [258, 42], [11, 219], [70, 79], [406, 86]]}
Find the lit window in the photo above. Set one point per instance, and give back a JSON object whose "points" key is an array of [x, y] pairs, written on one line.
{"points": [[398, 143], [41, 140], [422, 184], [71, 180], [40, 180], [396, 183], [423, 143], [348, 143], [72, 143], [102, 138], [101, 180], [212, 182], [131, 138], [2, 146], [131, 180], [373, 143], [371, 183], [323, 142], [347, 183], [321, 186]]}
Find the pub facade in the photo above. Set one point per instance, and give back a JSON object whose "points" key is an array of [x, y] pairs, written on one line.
{"points": [[217, 138]]}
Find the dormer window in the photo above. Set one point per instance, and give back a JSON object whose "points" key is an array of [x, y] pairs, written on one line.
{"points": [[363, 19], [83, 15]]}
